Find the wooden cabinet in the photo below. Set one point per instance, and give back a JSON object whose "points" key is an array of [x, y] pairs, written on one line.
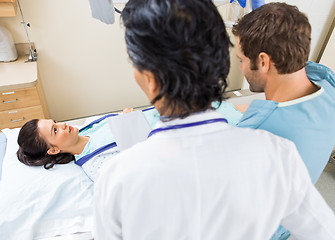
{"points": [[8, 8], [21, 92], [19, 106]]}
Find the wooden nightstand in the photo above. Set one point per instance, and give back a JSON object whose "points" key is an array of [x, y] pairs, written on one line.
{"points": [[21, 94], [19, 106]]}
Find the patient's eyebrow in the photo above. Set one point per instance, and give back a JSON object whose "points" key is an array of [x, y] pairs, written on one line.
{"points": [[52, 126]]}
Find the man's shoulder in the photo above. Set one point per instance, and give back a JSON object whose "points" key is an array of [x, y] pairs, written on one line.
{"points": [[319, 73], [257, 112]]}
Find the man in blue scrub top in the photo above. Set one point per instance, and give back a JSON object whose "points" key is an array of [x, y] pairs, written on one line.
{"points": [[273, 48]]}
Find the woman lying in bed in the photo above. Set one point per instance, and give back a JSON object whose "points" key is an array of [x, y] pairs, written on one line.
{"points": [[44, 142]]}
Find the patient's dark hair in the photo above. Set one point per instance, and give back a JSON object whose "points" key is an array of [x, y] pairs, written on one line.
{"points": [[33, 149], [185, 45]]}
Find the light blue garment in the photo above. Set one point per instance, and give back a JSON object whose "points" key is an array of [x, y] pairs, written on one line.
{"points": [[152, 116], [309, 124], [100, 135], [281, 234], [229, 112]]}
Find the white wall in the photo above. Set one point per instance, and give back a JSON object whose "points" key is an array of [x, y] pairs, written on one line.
{"points": [[328, 56], [83, 64]]}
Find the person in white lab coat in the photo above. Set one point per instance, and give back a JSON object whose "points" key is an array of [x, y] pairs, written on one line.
{"points": [[196, 177]]}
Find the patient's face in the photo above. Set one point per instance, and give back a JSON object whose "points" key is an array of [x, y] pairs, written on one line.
{"points": [[58, 134]]}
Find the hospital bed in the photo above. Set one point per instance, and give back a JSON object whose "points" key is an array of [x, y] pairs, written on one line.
{"points": [[40, 204]]}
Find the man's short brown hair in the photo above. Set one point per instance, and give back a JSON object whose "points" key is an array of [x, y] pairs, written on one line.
{"points": [[281, 31]]}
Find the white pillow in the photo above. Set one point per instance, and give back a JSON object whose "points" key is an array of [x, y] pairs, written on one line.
{"points": [[38, 203]]}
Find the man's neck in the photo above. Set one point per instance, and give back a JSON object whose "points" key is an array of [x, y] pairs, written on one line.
{"points": [[287, 87]]}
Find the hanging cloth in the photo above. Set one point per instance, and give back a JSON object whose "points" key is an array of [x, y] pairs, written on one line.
{"points": [[103, 10]]}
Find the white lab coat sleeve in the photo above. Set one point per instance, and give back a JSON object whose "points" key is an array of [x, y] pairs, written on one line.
{"points": [[107, 208], [308, 215]]}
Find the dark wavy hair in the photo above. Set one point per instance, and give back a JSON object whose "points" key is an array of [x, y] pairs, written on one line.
{"points": [[281, 31], [185, 45], [33, 148]]}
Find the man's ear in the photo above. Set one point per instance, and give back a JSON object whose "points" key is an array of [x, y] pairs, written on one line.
{"points": [[53, 151], [264, 61], [152, 84]]}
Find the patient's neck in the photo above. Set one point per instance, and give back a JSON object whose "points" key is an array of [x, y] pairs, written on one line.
{"points": [[79, 147]]}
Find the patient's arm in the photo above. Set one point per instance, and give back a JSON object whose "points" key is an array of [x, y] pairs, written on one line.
{"points": [[241, 108]]}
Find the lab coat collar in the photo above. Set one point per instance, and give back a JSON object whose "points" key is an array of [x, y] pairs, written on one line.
{"points": [[194, 117]]}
